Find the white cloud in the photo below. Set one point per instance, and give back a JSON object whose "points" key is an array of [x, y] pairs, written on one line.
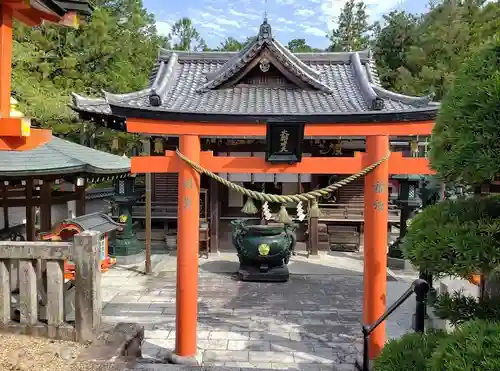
{"points": [[285, 2], [315, 31], [304, 12], [227, 22], [248, 15], [284, 20], [283, 29], [163, 28], [214, 27]]}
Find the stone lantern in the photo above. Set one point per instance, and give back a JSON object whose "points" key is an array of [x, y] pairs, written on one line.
{"points": [[408, 201], [125, 247]]}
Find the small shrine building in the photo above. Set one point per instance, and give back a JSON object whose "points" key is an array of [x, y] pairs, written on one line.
{"points": [[225, 111]]}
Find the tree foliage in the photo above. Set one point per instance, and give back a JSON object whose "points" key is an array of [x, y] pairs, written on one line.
{"points": [[185, 36], [114, 51], [472, 346], [411, 352], [352, 29], [421, 54], [456, 237], [465, 144]]}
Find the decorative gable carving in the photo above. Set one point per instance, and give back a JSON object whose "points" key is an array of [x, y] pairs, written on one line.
{"points": [[264, 53]]}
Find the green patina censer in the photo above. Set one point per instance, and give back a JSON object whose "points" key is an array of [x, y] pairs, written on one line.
{"points": [[263, 250]]}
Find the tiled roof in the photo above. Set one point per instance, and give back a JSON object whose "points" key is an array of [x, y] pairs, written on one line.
{"points": [[99, 222], [60, 156], [208, 84], [61, 7], [82, 7]]}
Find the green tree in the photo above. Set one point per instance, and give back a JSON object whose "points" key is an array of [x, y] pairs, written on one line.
{"points": [[392, 44], [465, 145], [444, 38], [114, 51], [352, 29], [230, 44], [185, 36], [299, 46]]}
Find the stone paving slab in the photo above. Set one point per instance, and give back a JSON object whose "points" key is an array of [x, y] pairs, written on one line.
{"points": [[311, 322]]}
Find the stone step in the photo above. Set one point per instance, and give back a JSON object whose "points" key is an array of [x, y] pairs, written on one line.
{"points": [[171, 367]]}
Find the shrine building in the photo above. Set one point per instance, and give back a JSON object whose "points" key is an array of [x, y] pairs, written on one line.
{"points": [[277, 122], [264, 82]]}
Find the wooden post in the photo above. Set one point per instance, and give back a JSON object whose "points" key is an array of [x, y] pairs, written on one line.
{"points": [[5, 59], [55, 295], [80, 197], [30, 212], [214, 215], [187, 250], [88, 301], [6, 223], [28, 296], [147, 152], [5, 291], [313, 236], [46, 207], [375, 244]]}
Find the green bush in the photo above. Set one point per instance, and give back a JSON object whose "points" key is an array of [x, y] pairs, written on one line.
{"points": [[411, 352], [465, 145], [456, 237], [474, 346], [459, 308]]}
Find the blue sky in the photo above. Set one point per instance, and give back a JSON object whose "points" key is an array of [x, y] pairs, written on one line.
{"points": [[290, 19]]}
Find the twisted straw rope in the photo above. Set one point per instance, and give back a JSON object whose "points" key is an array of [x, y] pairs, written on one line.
{"points": [[261, 196]]}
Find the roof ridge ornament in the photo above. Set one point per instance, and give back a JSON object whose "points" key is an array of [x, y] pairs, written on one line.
{"points": [[155, 98], [265, 30]]}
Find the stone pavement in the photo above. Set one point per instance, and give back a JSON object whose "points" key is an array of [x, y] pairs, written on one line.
{"points": [[311, 322]]}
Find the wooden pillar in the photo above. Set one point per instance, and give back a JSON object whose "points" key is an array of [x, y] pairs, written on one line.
{"points": [[187, 250], [46, 207], [30, 212], [80, 196], [313, 236], [5, 59], [5, 207], [147, 221], [375, 244], [214, 215]]}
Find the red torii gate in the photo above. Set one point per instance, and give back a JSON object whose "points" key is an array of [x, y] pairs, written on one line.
{"points": [[376, 199]]}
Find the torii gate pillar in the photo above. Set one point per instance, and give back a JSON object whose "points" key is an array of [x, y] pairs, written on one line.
{"points": [[375, 240], [187, 250]]}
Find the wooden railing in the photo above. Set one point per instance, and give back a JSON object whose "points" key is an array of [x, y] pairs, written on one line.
{"points": [[349, 212], [33, 286]]}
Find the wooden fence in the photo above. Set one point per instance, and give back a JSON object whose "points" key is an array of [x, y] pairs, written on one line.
{"points": [[46, 288]]}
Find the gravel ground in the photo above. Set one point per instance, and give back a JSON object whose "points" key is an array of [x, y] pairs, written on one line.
{"points": [[23, 353]]}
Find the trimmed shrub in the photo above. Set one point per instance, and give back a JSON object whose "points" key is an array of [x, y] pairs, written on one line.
{"points": [[411, 352], [456, 237], [465, 145], [474, 346], [459, 308]]}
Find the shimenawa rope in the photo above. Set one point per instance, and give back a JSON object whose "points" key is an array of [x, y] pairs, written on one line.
{"points": [[273, 198]]}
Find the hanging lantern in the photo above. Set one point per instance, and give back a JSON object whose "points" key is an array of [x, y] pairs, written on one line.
{"points": [[158, 145], [338, 149], [414, 147]]}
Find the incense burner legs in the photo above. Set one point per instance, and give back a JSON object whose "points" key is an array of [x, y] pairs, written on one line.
{"points": [[263, 250]]}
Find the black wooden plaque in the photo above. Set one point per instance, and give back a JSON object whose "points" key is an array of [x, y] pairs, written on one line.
{"points": [[284, 142]]}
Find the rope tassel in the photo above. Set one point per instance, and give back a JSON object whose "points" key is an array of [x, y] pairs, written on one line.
{"points": [[249, 207], [314, 211], [283, 216]]}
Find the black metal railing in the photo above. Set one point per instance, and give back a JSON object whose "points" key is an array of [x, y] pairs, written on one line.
{"points": [[420, 287]]}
